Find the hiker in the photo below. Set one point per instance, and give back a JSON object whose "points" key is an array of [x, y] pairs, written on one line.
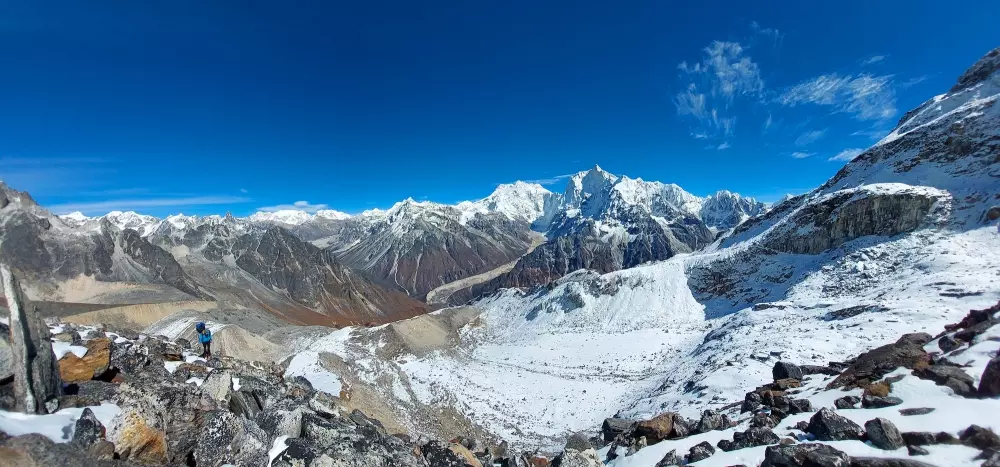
{"points": [[205, 337]]}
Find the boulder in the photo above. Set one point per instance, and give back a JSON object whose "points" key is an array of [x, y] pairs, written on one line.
{"points": [[73, 369], [948, 343], [228, 439], [847, 402], [919, 438], [786, 384], [751, 402], [949, 376], [818, 370], [88, 430], [763, 420], [876, 402], [980, 438], [700, 452], [281, 421], [989, 383], [184, 343], [883, 434], [574, 458], [36, 383], [657, 428], [102, 450], [669, 459], [916, 411], [578, 441], [801, 455], [871, 366], [300, 452], [750, 438], [138, 439], [218, 386], [992, 213], [826, 425], [785, 370], [711, 421], [613, 427]]}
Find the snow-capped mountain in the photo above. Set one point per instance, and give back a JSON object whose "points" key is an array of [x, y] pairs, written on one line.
{"points": [[528, 202], [296, 217], [725, 210]]}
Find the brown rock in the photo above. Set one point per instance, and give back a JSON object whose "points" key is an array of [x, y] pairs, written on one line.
{"points": [[787, 383], [137, 441], [993, 213], [74, 369], [880, 389], [656, 429]]}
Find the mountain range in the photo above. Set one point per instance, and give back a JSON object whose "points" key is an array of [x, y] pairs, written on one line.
{"points": [[376, 266]]}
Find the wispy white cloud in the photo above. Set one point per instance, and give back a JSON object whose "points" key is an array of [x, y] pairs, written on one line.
{"points": [[770, 33], [303, 206], [723, 74], [550, 180], [873, 60], [802, 154], [244, 190], [723, 146], [809, 137], [865, 96], [875, 133], [102, 207], [914, 81], [847, 155]]}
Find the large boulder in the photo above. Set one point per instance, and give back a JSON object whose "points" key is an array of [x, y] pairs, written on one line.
{"points": [[750, 438], [876, 402], [228, 439], [871, 366], [826, 425], [980, 438], [669, 459], [712, 420], [883, 434], [439, 454], [847, 402], [35, 450], [657, 428], [802, 455], [989, 383], [74, 369]]}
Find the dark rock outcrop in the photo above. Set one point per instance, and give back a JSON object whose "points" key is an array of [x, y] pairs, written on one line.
{"points": [[826, 425], [989, 383], [980, 438], [916, 411], [847, 402], [612, 427], [877, 402], [949, 376], [750, 438], [700, 452], [873, 365], [785, 370]]}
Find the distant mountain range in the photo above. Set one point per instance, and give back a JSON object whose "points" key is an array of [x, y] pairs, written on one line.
{"points": [[375, 266]]}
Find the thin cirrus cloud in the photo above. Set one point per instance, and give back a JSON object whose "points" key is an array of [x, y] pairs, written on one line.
{"points": [[873, 60], [802, 154], [102, 207], [847, 155], [550, 180], [864, 96], [303, 206], [809, 137]]}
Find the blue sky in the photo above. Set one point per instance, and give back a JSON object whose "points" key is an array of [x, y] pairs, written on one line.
{"points": [[204, 107]]}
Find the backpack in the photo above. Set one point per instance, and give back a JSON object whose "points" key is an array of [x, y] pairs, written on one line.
{"points": [[205, 336]]}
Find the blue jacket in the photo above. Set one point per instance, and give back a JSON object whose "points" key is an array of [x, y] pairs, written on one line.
{"points": [[205, 336]]}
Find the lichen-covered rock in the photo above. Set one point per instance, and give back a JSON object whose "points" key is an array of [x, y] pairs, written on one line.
{"points": [[35, 450], [758, 436], [712, 420], [138, 438], [826, 425], [439, 454], [657, 428], [36, 384], [226, 438], [669, 459], [88, 430]]}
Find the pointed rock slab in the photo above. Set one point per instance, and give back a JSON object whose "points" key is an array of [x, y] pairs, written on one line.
{"points": [[36, 375], [883, 434]]}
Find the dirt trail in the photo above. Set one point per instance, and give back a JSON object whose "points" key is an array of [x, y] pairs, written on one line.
{"points": [[138, 317], [440, 295]]}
